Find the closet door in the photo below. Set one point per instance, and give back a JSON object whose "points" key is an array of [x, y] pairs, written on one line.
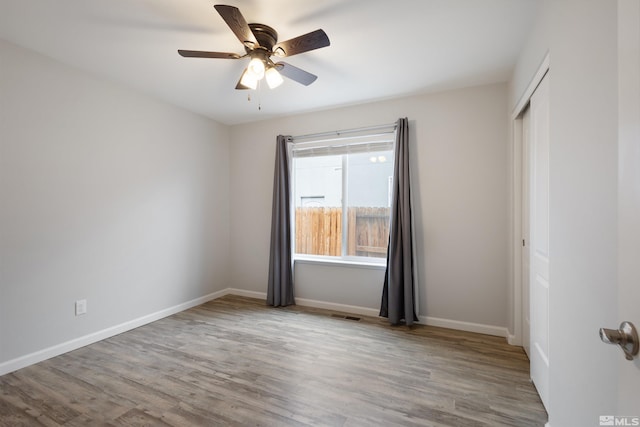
{"points": [[539, 236]]}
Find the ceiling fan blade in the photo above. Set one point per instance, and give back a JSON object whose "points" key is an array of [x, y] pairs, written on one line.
{"points": [[202, 54], [238, 24], [304, 43], [295, 73]]}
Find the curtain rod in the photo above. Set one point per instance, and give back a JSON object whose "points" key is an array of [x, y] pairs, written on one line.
{"points": [[392, 127], [340, 145], [340, 139]]}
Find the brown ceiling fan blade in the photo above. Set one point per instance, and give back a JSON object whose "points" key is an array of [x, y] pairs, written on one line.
{"points": [[304, 43], [295, 73], [238, 24], [202, 54]]}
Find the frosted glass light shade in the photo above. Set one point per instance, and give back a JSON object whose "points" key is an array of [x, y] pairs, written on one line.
{"points": [[256, 67], [249, 80], [273, 77]]}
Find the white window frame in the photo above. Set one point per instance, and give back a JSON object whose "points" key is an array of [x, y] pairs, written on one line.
{"points": [[379, 138]]}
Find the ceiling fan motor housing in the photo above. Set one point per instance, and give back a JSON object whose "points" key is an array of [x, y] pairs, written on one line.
{"points": [[267, 37]]}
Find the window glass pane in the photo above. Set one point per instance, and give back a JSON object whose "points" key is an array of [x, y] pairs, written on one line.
{"points": [[342, 202], [368, 180], [318, 203]]}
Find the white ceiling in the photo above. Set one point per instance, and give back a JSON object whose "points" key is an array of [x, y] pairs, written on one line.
{"points": [[379, 48]]}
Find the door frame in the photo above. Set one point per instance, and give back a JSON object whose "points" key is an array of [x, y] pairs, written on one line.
{"points": [[516, 335], [628, 208]]}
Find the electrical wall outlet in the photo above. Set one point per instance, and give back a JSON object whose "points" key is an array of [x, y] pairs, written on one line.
{"points": [[81, 307]]}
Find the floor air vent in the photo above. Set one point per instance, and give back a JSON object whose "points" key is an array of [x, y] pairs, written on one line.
{"points": [[341, 316]]}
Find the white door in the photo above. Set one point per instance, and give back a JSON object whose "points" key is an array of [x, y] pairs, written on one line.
{"points": [[526, 253], [539, 236], [628, 196]]}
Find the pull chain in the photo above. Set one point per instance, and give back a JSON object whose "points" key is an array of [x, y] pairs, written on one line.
{"points": [[259, 97]]}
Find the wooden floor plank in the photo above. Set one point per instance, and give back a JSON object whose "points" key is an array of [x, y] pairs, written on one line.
{"points": [[234, 361]]}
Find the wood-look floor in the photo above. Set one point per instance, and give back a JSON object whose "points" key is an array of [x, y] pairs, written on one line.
{"points": [[234, 361]]}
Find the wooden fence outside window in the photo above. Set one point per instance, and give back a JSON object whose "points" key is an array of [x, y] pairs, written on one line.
{"points": [[319, 231]]}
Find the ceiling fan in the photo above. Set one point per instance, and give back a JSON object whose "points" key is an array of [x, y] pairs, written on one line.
{"points": [[261, 43]]}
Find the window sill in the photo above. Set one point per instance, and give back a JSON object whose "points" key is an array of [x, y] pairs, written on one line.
{"points": [[301, 259]]}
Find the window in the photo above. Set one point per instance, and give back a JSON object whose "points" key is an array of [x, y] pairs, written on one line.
{"points": [[342, 197]]}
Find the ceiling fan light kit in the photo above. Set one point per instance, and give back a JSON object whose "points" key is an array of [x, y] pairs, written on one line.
{"points": [[273, 78], [261, 43]]}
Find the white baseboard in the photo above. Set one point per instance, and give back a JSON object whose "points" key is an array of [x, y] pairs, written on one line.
{"points": [[56, 350], [498, 331], [306, 302], [514, 340], [352, 309], [372, 312], [74, 344], [245, 293]]}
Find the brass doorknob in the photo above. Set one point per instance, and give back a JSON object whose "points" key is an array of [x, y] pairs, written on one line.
{"points": [[626, 337]]}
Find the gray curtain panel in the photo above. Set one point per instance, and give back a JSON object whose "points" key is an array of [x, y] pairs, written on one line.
{"points": [[280, 290], [398, 295]]}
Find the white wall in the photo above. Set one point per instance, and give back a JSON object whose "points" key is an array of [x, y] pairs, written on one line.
{"points": [[459, 148], [106, 195], [580, 36]]}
